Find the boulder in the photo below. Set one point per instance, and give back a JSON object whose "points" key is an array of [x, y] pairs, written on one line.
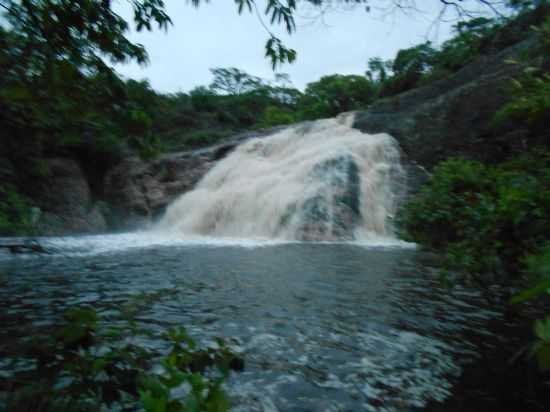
{"points": [[138, 191], [332, 212], [66, 200]]}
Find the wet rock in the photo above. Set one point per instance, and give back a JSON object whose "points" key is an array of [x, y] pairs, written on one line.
{"points": [[333, 212], [138, 191]]}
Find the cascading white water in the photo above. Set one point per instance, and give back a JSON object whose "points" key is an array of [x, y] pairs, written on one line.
{"points": [[320, 180]]}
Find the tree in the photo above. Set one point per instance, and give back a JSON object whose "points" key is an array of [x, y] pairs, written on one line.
{"points": [[414, 61], [84, 30], [408, 67], [233, 81], [466, 44], [79, 31], [202, 98], [378, 69], [335, 94], [523, 5]]}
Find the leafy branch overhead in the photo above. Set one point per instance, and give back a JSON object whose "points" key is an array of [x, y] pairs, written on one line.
{"points": [[83, 31]]}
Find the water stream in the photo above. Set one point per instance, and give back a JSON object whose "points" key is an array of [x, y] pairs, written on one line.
{"points": [[322, 327]]}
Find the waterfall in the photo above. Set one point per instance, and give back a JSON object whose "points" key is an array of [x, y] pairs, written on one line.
{"points": [[319, 180]]}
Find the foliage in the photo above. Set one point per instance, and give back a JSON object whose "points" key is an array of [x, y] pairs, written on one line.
{"points": [[495, 219], [422, 64], [335, 94], [468, 43], [84, 30], [378, 70], [58, 96], [530, 104], [473, 38], [275, 116], [485, 218], [524, 5], [233, 81], [15, 211], [541, 347], [408, 67], [88, 366], [538, 268]]}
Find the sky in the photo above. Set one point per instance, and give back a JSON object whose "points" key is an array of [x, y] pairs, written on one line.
{"points": [[214, 35]]}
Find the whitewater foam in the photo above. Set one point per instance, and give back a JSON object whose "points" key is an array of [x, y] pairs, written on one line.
{"points": [[320, 180]]}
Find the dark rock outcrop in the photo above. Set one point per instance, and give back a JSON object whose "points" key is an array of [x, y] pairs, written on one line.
{"points": [[66, 201], [138, 191], [453, 116], [333, 212]]}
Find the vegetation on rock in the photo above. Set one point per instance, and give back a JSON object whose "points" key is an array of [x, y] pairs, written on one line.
{"points": [[492, 221]]}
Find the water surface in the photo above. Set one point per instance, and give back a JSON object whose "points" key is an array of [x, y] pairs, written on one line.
{"points": [[322, 327]]}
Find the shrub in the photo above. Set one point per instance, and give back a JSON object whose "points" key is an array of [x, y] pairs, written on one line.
{"points": [[274, 116], [485, 218], [15, 212], [84, 365]]}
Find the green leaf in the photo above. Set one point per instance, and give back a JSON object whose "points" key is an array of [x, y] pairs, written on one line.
{"points": [[531, 293], [542, 354], [152, 385], [217, 400], [151, 403], [542, 329]]}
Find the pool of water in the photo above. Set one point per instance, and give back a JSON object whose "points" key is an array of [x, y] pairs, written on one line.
{"points": [[321, 327]]}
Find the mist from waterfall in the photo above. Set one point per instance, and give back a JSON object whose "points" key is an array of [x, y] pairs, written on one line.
{"points": [[319, 180]]}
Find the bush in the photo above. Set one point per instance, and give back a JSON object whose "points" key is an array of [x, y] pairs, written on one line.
{"points": [[15, 212], [84, 365], [485, 218], [274, 116]]}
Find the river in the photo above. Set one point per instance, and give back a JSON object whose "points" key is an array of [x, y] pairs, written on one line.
{"points": [[321, 326]]}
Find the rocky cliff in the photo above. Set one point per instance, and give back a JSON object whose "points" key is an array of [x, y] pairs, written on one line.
{"points": [[138, 191], [453, 116]]}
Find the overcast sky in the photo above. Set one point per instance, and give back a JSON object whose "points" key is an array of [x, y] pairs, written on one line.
{"points": [[214, 35]]}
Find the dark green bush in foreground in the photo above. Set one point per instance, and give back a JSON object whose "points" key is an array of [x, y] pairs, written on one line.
{"points": [[87, 366]]}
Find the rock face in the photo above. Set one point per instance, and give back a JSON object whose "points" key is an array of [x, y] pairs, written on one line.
{"points": [[139, 191], [452, 116], [67, 201], [334, 211]]}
